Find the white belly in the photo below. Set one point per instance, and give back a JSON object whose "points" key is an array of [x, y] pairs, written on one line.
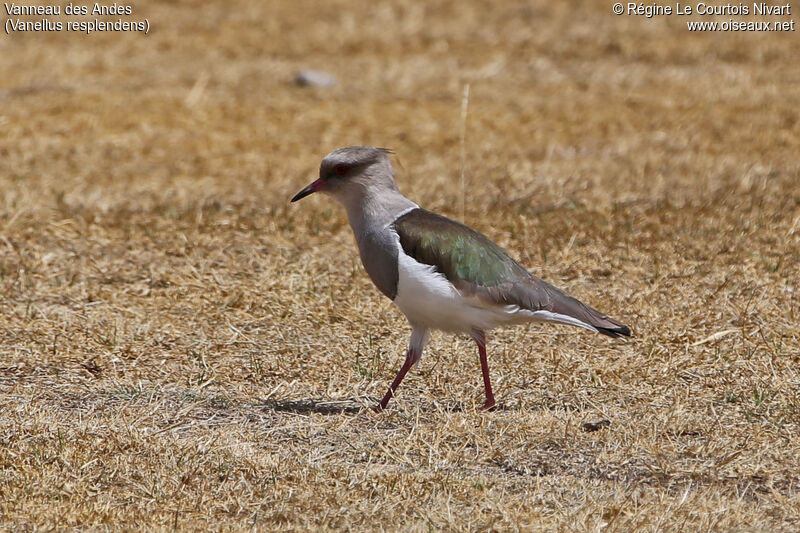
{"points": [[429, 300]]}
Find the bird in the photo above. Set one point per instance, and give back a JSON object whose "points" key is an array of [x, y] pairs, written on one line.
{"points": [[442, 274]]}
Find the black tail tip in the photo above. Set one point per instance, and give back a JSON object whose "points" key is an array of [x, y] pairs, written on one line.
{"points": [[615, 332]]}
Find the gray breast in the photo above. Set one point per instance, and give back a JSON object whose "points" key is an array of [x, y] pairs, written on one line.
{"points": [[378, 251]]}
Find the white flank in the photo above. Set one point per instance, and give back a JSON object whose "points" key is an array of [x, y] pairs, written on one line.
{"points": [[429, 300]]}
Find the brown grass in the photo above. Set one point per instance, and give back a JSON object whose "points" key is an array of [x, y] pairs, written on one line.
{"points": [[182, 348]]}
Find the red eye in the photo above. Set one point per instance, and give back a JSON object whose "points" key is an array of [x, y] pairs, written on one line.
{"points": [[341, 170]]}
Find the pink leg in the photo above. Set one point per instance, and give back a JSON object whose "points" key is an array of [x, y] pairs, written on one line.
{"points": [[480, 339], [411, 358], [419, 337]]}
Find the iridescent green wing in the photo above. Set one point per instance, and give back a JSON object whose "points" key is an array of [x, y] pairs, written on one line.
{"points": [[478, 267], [468, 259]]}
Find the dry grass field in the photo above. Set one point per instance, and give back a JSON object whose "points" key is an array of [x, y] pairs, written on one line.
{"points": [[182, 348]]}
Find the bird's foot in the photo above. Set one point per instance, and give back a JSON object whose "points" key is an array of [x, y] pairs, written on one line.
{"points": [[381, 405], [488, 405]]}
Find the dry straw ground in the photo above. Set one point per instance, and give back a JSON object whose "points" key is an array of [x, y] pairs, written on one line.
{"points": [[180, 347]]}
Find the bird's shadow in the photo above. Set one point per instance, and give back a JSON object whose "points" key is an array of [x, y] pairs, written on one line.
{"points": [[464, 407], [308, 406]]}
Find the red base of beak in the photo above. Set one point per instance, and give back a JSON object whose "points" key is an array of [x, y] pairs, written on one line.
{"points": [[314, 187]]}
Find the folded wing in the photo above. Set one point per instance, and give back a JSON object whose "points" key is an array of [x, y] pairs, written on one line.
{"points": [[476, 266]]}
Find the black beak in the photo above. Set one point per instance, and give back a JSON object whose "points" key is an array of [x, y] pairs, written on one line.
{"points": [[314, 187]]}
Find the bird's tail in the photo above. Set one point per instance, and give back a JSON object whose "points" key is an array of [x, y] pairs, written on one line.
{"points": [[563, 304]]}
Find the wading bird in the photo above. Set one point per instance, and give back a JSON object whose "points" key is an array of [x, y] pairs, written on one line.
{"points": [[441, 274]]}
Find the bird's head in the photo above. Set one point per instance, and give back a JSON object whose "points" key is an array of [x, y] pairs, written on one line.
{"points": [[350, 172]]}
